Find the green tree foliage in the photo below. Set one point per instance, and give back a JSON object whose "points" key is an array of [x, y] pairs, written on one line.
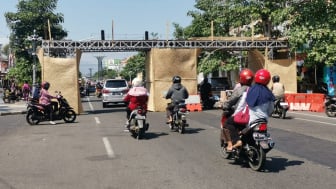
{"points": [[135, 65], [313, 31], [223, 16], [31, 15]]}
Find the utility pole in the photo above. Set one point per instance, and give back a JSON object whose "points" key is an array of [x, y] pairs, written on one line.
{"points": [[34, 38]]}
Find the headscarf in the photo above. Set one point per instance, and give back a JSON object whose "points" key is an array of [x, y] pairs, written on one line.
{"points": [[259, 94]]}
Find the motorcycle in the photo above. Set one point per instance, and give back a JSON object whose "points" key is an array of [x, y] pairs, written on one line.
{"points": [[256, 143], [330, 105], [138, 125], [37, 113], [179, 118], [280, 108]]}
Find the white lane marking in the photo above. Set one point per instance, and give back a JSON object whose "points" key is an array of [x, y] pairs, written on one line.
{"points": [[97, 120], [315, 121], [310, 115], [91, 107], [108, 148]]}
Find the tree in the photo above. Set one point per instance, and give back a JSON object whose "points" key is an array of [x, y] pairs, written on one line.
{"points": [[31, 15], [312, 31], [135, 65], [226, 15]]}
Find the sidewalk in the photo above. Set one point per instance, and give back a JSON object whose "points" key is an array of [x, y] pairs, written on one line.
{"points": [[19, 107]]}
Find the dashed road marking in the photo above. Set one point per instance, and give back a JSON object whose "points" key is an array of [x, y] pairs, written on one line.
{"points": [[108, 148]]}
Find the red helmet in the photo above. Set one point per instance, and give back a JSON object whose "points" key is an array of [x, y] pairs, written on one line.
{"points": [[262, 76], [246, 77]]}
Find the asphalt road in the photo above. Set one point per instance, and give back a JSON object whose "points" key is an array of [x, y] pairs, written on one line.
{"points": [[95, 152]]}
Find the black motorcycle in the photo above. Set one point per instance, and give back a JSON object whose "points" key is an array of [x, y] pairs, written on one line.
{"points": [[138, 125], [280, 108], [329, 101], [179, 118], [330, 105], [256, 143], [37, 113]]}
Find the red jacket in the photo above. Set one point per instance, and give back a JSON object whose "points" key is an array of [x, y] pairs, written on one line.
{"points": [[137, 96]]}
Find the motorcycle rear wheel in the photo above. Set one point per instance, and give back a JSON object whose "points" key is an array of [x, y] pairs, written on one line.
{"points": [[329, 112], [29, 118], [256, 158], [181, 128], [283, 114], [69, 116]]}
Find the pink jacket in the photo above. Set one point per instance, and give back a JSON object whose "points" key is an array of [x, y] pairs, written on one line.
{"points": [[45, 97]]}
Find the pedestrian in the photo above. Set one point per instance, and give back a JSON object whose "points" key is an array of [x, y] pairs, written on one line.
{"points": [[26, 90]]}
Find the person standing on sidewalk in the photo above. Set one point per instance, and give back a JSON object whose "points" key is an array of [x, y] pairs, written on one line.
{"points": [[26, 90]]}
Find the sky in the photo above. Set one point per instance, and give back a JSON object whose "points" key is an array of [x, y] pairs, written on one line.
{"points": [[84, 19]]}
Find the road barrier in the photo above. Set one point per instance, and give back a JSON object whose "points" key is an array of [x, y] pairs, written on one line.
{"points": [[305, 102], [193, 103]]}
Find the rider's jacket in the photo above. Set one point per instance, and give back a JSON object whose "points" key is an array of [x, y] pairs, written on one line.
{"points": [[177, 93], [231, 104], [137, 96]]}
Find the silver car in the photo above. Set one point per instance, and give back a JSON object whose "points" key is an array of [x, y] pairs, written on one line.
{"points": [[114, 91]]}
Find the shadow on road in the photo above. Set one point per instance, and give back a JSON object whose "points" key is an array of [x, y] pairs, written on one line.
{"points": [[277, 164]]}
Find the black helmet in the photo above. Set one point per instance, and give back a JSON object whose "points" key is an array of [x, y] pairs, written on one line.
{"points": [[275, 79], [45, 85], [176, 79]]}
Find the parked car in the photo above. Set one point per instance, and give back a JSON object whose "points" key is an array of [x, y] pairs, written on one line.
{"points": [[219, 84], [114, 91]]}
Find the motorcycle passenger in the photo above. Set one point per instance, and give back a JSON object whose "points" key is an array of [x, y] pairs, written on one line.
{"points": [[45, 100], [278, 90], [36, 93], [233, 105], [136, 96], [260, 98], [177, 93]]}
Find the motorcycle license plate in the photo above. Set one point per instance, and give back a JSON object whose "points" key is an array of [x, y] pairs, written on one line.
{"points": [[260, 136], [284, 103], [140, 117]]}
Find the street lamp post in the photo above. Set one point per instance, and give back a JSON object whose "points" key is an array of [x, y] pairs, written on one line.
{"points": [[34, 38]]}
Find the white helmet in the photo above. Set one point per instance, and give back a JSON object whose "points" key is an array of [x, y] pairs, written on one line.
{"points": [[136, 82]]}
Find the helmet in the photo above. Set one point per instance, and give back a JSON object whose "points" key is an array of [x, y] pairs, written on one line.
{"points": [[276, 79], [45, 85], [136, 82], [262, 76], [176, 79], [246, 77]]}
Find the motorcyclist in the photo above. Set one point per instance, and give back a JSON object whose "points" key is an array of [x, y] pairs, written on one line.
{"points": [[45, 100], [177, 93], [233, 105], [136, 96], [99, 87], [260, 98], [205, 92], [278, 90]]}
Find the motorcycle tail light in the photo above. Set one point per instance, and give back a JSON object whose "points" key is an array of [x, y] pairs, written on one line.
{"points": [[183, 110], [105, 91], [263, 127], [140, 111]]}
